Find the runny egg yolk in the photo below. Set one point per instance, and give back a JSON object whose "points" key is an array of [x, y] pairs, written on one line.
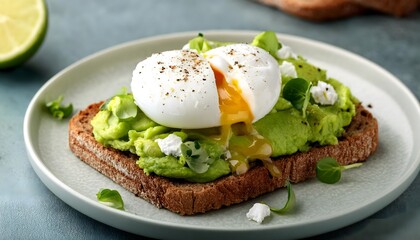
{"points": [[235, 110], [233, 107]]}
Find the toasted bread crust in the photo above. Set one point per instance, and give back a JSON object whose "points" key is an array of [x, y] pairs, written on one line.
{"points": [[359, 141]]}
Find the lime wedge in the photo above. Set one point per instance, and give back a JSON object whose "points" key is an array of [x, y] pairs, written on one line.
{"points": [[23, 24]]}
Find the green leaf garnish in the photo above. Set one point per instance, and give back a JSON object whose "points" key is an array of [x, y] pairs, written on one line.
{"points": [[202, 44], [111, 198], [267, 41], [57, 110], [291, 201], [196, 156], [297, 92], [328, 170]]}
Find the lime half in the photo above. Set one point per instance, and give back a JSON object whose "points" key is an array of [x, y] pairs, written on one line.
{"points": [[23, 24]]}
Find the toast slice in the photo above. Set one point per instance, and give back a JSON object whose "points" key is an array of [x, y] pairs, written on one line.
{"points": [[324, 10], [359, 141], [398, 8], [318, 10]]}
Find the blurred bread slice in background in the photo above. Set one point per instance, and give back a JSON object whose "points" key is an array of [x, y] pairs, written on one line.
{"points": [[324, 10], [398, 8], [317, 10]]}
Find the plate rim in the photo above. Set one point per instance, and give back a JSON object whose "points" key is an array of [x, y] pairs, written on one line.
{"points": [[59, 188]]}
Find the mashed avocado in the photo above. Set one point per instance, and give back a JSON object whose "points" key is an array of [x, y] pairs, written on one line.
{"points": [[137, 133], [290, 132], [122, 125]]}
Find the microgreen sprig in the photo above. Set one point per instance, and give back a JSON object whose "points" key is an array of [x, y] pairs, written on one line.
{"points": [[196, 156], [328, 170], [57, 110], [290, 203], [297, 92], [111, 198]]}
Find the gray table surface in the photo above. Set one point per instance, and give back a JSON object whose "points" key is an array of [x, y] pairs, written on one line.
{"points": [[78, 28]]}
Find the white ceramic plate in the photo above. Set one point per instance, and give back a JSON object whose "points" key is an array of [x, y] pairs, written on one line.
{"points": [[321, 207]]}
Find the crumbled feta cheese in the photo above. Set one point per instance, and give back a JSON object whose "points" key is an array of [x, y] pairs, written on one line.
{"points": [[287, 69], [286, 52], [324, 93], [258, 212], [228, 155], [171, 145]]}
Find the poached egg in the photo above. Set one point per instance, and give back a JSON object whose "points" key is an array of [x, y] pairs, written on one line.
{"points": [[226, 85], [238, 83]]}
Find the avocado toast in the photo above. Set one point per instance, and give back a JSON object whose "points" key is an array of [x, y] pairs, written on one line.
{"points": [[344, 130]]}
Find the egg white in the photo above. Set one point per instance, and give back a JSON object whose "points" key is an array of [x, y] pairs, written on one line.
{"points": [[256, 72], [178, 88]]}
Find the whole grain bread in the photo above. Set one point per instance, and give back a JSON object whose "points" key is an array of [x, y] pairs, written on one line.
{"points": [[359, 141]]}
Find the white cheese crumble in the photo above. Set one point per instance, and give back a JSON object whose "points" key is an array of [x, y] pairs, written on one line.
{"points": [[286, 52], [324, 93], [171, 145], [228, 155], [258, 212], [287, 69]]}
